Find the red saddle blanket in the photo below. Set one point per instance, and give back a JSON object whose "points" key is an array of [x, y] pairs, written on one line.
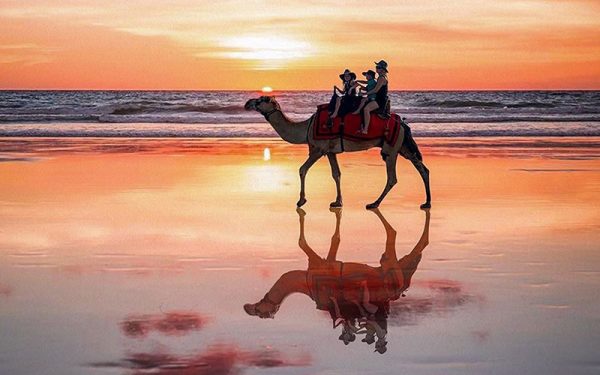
{"points": [[378, 127]]}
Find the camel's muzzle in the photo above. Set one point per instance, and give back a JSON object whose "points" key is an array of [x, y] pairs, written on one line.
{"points": [[250, 105]]}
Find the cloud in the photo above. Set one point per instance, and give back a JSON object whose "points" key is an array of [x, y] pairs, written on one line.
{"points": [[147, 45], [26, 54]]}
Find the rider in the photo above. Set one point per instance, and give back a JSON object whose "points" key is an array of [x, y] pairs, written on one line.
{"points": [[370, 85], [343, 100], [380, 90]]}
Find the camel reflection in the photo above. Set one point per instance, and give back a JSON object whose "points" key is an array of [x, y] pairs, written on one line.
{"points": [[357, 296]]}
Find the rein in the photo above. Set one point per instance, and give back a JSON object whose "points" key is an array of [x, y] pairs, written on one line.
{"points": [[268, 114]]}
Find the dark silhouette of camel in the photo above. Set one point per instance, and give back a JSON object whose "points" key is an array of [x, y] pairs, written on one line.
{"points": [[356, 295]]}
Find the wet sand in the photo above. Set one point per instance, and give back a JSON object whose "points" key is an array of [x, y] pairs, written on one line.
{"points": [[137, 255]]}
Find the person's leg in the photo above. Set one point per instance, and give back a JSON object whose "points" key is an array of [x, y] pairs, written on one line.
{"points": [[360, 106], [331, 106], [366, 298], [338, 102], [371, 106]]}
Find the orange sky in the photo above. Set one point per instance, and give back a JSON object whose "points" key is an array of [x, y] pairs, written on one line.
{"points": [[462, 44]]}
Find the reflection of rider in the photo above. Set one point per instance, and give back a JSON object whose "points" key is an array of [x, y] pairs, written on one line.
{"points": [[357, 296]]}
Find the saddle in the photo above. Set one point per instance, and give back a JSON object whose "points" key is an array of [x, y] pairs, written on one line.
{"points": [[381, 126]]}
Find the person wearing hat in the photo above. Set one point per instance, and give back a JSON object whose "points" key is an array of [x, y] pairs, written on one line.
{"points": [[344, 100], [370, 85], [380, 91]]}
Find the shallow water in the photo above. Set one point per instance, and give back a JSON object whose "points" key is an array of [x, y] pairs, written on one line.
{"points": [[125, 255], [264, 130]]}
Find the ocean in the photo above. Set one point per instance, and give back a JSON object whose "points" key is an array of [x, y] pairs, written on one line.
{"points": [[221, 113]]}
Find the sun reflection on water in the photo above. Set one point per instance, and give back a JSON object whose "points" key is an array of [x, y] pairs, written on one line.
{"points": [[266, 178]]}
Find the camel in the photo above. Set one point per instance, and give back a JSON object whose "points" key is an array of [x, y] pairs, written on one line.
{"points": [[356, 294], [301, 133]]}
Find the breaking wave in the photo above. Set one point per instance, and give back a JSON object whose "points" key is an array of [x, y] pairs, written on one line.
{"points": [[221, 113]]}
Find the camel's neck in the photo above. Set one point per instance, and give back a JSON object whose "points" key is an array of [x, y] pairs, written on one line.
{"points": [[290, 282], [289, 131]]}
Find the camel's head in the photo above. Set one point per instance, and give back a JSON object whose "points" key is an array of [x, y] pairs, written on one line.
{"points": [[264, 105], [262, 309]]}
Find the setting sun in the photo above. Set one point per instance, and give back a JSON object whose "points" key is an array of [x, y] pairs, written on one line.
{"points": [[182, 161]]}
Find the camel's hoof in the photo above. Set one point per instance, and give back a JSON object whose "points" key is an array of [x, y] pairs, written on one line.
{"points": [[425, 206], [373, 205], [375, 210], [301, 202], [336, 210], [336, 204]]}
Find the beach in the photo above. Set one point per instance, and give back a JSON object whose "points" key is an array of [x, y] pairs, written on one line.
{"points": [[153, 155], [138, 254]]}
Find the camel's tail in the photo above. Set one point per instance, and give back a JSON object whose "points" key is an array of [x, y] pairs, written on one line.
{"points": [[409, 142]]}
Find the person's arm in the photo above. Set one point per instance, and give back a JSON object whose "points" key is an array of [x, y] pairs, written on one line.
{"points": [[361, 88], [354, 88], [380, 83], [335, 88], [361, 81]]}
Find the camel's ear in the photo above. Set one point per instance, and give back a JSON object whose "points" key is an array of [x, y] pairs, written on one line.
{"points": [[265, 99]]}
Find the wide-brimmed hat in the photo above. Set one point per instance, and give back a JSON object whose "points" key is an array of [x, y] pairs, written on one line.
{"points": [[347, 71], [382, 65], [369, 72]]}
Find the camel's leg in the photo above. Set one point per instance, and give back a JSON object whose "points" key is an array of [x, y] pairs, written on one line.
{"points": [[335, 239], [424, 172], [390, 164], [312, 158], [335, 172], [424, 240], [390, 240], [310, 253]]}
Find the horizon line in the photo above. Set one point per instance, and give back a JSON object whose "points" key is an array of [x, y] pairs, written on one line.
{"points": [[290, 90]]}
